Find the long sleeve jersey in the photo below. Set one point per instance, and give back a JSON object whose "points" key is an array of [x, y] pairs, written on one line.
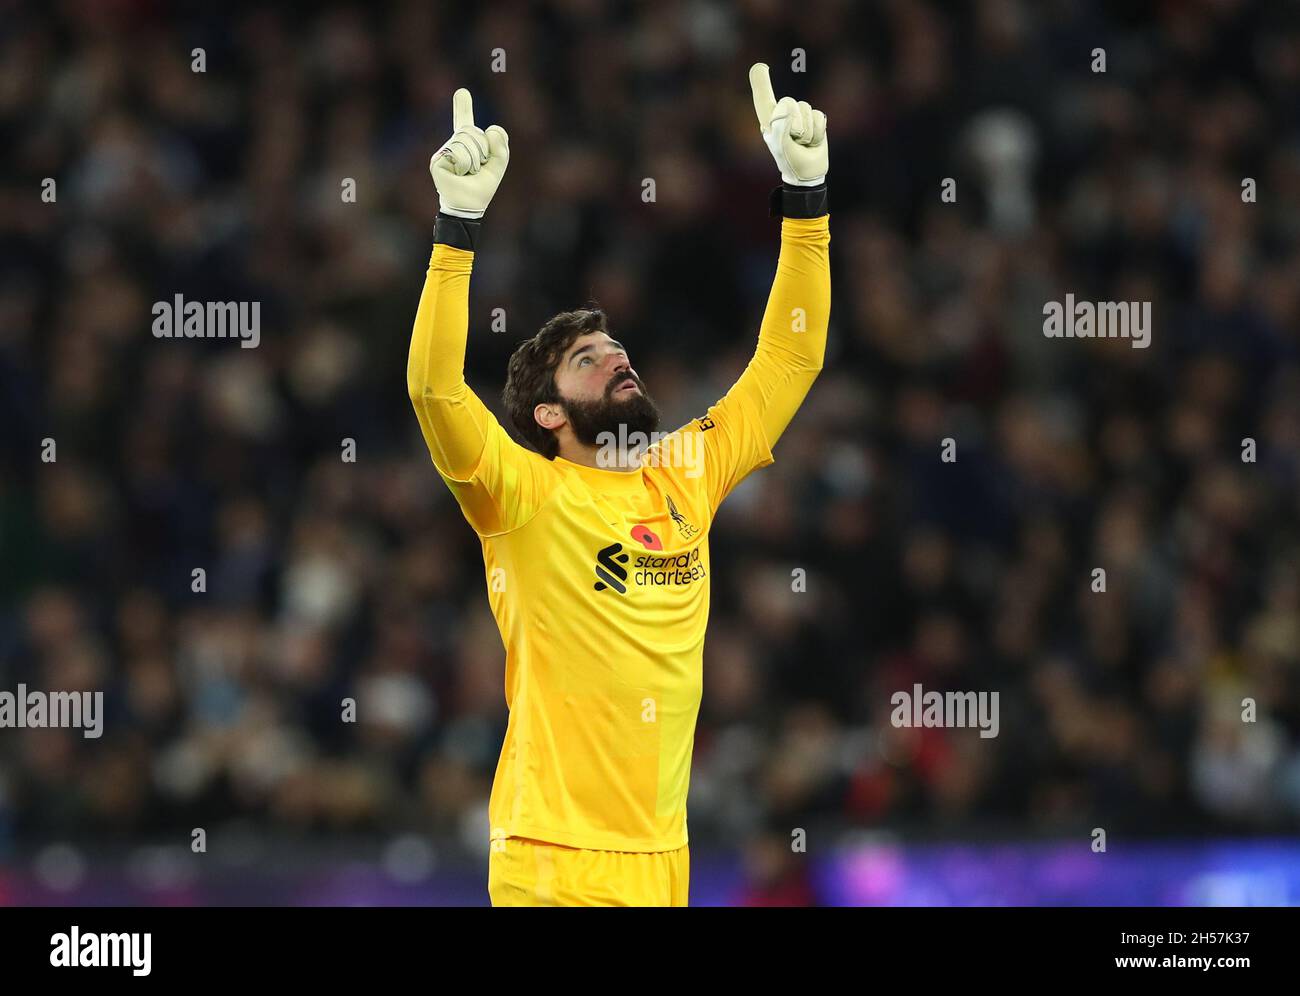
{"points": [[599, 578]]}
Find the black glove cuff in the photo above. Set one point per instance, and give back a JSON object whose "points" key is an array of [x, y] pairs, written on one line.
{"points": [[459, 233], [789, 201]]}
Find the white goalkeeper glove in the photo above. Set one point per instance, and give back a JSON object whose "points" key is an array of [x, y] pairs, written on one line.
{"points": [[793, 131], [468, 168]]}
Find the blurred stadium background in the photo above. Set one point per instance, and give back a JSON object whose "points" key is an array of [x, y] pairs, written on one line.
{"points": [[329, 579]]}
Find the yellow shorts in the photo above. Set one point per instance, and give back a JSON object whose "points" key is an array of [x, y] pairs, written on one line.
{"points": [[524, 872]]}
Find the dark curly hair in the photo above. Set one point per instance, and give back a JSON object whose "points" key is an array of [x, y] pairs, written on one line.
{"points": [[530, 375]]}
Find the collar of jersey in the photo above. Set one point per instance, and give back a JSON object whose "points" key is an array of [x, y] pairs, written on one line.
{"points": [[605, 480]]}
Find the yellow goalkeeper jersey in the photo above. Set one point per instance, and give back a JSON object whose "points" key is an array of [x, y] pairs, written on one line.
{"points": [[599, 578]]}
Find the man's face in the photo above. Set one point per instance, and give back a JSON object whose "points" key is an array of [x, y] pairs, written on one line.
{"points": [[601, 391]]}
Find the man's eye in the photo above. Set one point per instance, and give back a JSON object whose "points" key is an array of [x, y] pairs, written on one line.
{"points": [[585, 359]]}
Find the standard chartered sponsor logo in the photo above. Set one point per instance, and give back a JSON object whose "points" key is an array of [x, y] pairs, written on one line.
{"points": [[685, 568]]}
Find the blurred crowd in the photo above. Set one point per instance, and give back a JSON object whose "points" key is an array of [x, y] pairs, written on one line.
{"points": [[329, 578]]}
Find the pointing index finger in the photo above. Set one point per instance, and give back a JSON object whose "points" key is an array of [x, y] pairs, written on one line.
{"points": [[764, 99], [462, 110]]}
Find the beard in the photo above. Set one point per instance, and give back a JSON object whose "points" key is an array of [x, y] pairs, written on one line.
{"points": [[594, 422]]}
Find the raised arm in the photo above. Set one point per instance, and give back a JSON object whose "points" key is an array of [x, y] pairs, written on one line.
{"points": [[498, 483], [741, 429], [792, 338], [455, 423]]}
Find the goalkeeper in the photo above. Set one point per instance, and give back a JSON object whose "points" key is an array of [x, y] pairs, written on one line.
{"points": [[597, 562]]}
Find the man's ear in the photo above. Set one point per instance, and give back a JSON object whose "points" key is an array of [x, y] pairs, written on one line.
{"points": [[550, 416]]}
